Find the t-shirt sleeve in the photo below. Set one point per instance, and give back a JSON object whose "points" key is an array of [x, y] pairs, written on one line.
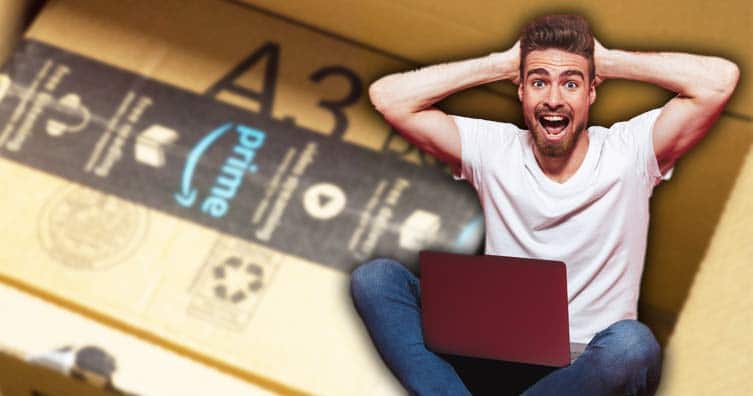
{"points": [[480, 144], [639, 132]]}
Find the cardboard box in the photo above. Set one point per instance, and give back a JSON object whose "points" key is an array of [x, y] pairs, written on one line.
{"points": [[205, 176], [157, 278]]}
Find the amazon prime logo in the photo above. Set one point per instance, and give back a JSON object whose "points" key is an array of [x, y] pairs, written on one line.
{"points": [[231, 174]]}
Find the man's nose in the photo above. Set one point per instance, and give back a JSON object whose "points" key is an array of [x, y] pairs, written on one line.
{"points": [[553, 99]]}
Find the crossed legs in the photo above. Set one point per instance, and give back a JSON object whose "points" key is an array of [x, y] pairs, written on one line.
{"points": [[623, 359]]}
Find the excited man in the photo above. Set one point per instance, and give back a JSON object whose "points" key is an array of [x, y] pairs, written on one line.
{"points": [[556, 191]]}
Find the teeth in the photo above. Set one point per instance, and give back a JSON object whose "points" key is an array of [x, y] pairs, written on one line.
{"points": [[554, 118]]}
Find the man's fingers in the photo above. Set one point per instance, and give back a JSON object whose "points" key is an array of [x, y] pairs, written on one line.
{"points": [[597, 81], [516, 48], [599, 52], [597, 45]]}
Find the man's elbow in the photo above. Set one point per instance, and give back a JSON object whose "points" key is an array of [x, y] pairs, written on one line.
{"points": [[721, 80], [728, 74], [382, 96], [379, 96]]}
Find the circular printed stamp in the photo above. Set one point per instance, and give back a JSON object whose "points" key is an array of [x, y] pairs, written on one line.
{"points": [[87, 229]]}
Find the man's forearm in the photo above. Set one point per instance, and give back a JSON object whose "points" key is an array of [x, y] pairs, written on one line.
{"points": [[411, 92], [704, 84], [691, 76]]}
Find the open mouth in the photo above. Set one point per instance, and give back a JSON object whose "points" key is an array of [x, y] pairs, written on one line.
{"points": [[554, 124]]}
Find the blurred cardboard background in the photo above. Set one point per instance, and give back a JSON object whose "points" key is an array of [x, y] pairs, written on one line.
{"points": [[696, 292]]}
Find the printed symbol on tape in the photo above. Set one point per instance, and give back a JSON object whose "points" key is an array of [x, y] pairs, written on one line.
{"points": [[86, 229], [232, 282], [324, 201], [69, 104], [419, 229], [151, 143]]}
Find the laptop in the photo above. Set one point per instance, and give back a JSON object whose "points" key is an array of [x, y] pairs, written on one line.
{"points": [[496, 307]]}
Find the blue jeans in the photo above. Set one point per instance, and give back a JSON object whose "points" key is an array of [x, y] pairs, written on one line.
{"points": [[624, 359]]}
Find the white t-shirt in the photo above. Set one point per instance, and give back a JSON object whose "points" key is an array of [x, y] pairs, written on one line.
{"points": [[596, 222]]}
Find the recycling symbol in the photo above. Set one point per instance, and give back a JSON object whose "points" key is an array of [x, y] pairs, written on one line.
{"points": [[234, 280]]}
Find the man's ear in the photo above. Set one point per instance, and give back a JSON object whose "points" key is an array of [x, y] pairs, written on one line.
{"points": [[520, 90], [592, 93]]}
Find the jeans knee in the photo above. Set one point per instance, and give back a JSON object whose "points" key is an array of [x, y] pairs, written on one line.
{"points": [[636, 344], [630, 357], [369, 278]]}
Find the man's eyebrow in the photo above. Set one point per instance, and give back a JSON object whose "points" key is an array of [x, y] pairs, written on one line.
{"points": [[572, 72], [539, 70]]}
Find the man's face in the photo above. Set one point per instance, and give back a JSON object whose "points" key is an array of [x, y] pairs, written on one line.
{"points": [[556, 93]]}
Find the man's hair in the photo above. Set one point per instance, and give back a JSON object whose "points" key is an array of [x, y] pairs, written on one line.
{"points": [[569, 33]]}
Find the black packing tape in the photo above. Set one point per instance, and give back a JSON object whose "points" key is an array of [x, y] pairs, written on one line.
{"points": [[221, 166]]}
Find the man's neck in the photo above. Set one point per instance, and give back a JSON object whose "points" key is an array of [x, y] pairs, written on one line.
{"points": [[562, 168]]}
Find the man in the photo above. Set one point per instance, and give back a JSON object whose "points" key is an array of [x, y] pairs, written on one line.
{"points": [[558, 191]]}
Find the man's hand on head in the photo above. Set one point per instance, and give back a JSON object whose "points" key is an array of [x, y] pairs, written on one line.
{"points": [[703, 85], [407, 100], [505, 59], [600, 62], [515, 50]]}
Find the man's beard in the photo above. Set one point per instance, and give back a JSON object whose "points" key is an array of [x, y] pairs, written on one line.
{"points": [[553, 149]]}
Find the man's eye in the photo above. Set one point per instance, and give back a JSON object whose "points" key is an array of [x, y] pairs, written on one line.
{"points": [[571, 84], [537, 83]]}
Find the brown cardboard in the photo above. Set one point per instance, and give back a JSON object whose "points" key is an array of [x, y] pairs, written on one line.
{"points": [[426, 32], [294, 327], [34, 327], [687, 212], [152, 274], [304, 319], [14, 14], [711, 350]]}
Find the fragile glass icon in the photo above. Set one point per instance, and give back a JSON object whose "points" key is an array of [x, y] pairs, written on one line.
{"points": [[71, 106]]}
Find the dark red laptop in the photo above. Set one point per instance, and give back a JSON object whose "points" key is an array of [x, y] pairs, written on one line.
{"points": [[495, 307]]}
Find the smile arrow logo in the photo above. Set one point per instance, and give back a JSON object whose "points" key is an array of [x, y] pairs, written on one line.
{"points": [[187, 195]]}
